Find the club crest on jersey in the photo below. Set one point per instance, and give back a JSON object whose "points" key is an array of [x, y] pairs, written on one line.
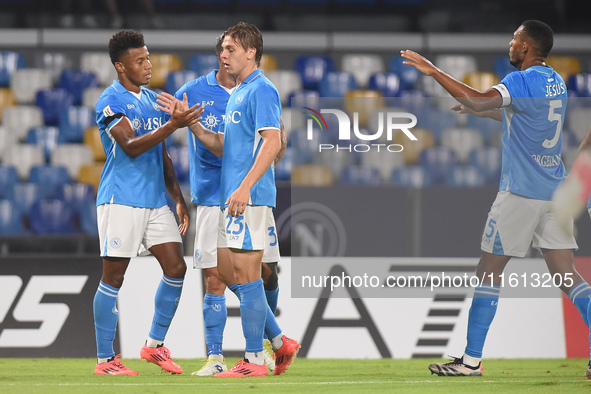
{"points": [[108, 112], [239, 99], [156, 107]]}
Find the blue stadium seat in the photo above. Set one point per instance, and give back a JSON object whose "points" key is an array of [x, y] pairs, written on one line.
{"points": [[73, 122], [502, 66], [334, 86], [27, 193], [87, 215], [360, 175], [76, 81], [52, 216], [11, 220], [54, 62], [9, 62], [283, 169], [176, 79], [580, 84], [8, 178], [409, 75], [415, 101], [486, 126], [437, 121], [46, 137], [387, 83], [303, 98], [312, 68], [488, 162], [437, 161], [49, 177], [75, 194], [52, 102], [411, 176], [464, 176], [180, 160], [203, 64]]}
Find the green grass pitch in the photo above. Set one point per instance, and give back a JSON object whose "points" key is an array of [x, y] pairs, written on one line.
{"points": [[43, 375]]}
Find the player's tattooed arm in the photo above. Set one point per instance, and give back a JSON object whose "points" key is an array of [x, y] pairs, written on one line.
{"points": [[283, 136]]}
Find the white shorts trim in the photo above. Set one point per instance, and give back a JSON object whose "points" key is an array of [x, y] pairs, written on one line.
{"points": [[126, 231], [514, 222]]}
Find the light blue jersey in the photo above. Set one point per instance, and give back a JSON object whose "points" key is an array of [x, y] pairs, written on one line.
{"points": [[253, 106], [534, 105], [135, 182], [205, 170]]}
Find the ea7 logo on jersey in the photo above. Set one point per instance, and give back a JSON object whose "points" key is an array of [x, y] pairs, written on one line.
{"points": [[29, 308]]}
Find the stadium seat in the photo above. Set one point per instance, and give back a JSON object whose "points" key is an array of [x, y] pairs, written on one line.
{"points": [[71, 156], [480, 80], [385, 162], [334, 85], [502, 66], [87, 216], [7, 99], [7, 140], [486, 126], [10, 62], [90, 97], [362, 66], [24, 157], [293, 119], [52, 102], [311, 175], [464, 176], [456, 65], [73, 121], [100, 64], [412, 149], [437, 161], [90, 173], [283, 169], [180, 160], [46, 137], [92, 139], [75, 195], [387, 83], [580, 84], [488, 162], [303, 98], [437, 120], [462, 141], [203, 64], [360, 175], [51, 216], [54, 62], [578, 121], [49, 176], [26, 82], [411, 176], [409, 76], [414, 101], [335, 161], [268, 63], [162, 65], [286, 82], [312, 68], [304, 149], [564, 65], [19, 119], [176, 79], [26, 194], [76, 81], [364, 102], [8, 178], [11, 221]]}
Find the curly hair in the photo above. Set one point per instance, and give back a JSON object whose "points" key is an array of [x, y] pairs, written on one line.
{"points": [[247, 36], [122, 41]]}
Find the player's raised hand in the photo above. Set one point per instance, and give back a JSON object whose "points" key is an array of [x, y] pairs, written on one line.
{"points": [[167, 102], [418, 62], [182, 116]]}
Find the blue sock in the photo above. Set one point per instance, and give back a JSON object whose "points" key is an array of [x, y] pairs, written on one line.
{"points": [[580, 296], [253, 309], [272, 296], [165, 304], [482, 312], [234, 288], [105, 319], [214, 319]]}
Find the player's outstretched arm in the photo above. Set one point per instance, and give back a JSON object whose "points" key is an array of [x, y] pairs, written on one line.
{"points": [[212, 141], [466, 95], [495, 114], [174, 189]]}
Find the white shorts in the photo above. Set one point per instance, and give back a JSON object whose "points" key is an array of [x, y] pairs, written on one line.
{"points": [[247, 231], [206, 238], [514, 222], [124, 230]]}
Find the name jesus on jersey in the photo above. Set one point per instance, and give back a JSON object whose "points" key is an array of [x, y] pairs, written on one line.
{"points": [[547, 160]]}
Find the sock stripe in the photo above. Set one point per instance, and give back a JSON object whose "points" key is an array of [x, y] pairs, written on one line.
{"points": [[480, 292], [174, 282], [108, 290], [578, 290]]}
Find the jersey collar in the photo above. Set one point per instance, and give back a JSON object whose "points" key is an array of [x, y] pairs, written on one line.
{"points": [[211, 79], [253, 75], [121, 89]]}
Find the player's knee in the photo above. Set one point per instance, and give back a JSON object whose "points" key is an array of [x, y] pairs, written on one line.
{"points": [[177, 270], [270, 277], [214, 285]]}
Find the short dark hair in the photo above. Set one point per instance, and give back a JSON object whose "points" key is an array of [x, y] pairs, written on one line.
{"points": [[122, 41], [218, 44], [541, 34], [247, 36]]}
